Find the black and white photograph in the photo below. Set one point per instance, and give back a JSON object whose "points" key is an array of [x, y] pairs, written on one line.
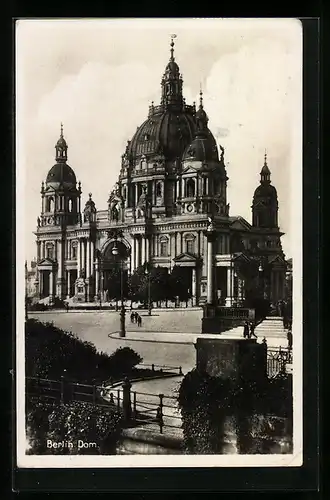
{"points": [[159, 242]]}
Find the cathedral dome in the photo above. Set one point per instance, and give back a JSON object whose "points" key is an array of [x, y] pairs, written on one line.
{"points": [[166, 131], [61, 174]]}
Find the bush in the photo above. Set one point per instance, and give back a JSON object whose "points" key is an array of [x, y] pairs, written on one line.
{"points": [[72, 422], [211, 408], [49, 350]]}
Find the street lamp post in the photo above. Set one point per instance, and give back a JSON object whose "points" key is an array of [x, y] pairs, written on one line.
{"points": [[122, 332]]}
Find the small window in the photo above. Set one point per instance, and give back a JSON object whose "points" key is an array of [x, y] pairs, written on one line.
{"points": [[70, 205]]}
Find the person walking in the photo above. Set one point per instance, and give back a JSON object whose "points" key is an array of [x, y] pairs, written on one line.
{"points": [[289, 337], [132, 317], [139, 320], [252, 328], [246, 330]]}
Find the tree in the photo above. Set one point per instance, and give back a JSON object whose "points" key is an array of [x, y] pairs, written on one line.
{"points": [[180, 283]]}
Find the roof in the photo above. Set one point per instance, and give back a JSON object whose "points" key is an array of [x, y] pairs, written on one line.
{"points": [[61, 174]]}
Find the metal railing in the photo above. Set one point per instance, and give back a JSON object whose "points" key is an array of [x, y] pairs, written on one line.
{"points": [[137, 407], [277, 360]]}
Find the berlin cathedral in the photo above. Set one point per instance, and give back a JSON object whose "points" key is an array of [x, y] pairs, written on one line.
{"points": [[170, 196]]}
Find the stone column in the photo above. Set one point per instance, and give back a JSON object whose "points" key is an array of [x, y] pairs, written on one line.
{"points": [[83, 255], [210, 290], [92, 259], [137, 255], [147, 248], [193, 286], [78, 258], [41, 283], [68, 284], [88, 259], [143, 250], [133, 255], [230, 286], [43, 251], [38, 251], [51, 285], [97, 281], [136, 194]]}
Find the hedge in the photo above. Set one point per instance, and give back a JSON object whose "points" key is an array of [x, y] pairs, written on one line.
{"points": [[72, 424], [49, 350], [260, 415]]}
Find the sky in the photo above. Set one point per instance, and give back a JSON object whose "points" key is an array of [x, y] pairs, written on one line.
{"points": [[98, 77]]}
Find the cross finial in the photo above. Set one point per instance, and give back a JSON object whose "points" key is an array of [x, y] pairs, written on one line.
{"points": [[200, 95], [265, 157], [61, 129], [172, 46], [90, 195]]}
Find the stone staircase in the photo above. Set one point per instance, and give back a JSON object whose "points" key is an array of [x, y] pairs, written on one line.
{"points": [[272, 326]]}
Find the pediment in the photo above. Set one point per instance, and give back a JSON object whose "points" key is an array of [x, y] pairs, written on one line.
{"points": [[185, 257], [191, 169], [241, 257], [46, 262], [240, 224], [277, 260]]}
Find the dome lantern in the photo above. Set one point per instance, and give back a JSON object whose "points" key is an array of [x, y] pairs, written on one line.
{"points": [[61, 148]]}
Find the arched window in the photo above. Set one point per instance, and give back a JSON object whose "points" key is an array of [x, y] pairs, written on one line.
{"points": [[190, 188], [163, 251], [70, 205], [158, 189], [74, 251], [50, 205]]}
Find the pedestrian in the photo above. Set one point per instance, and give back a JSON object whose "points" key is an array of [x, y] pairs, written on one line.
{"points": [[139, 320], [252, 328], [246, 330], [67, 306], [289, 337], [132, 317]]}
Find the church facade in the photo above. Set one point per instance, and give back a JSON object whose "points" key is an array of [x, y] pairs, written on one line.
{"points": [[172, 185]]}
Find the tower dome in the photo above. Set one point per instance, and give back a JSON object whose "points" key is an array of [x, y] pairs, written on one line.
{"points": [[265, 203], [61, 174], [203, 148]]}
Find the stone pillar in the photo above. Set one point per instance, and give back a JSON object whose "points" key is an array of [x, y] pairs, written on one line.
{"points": [[137, 247], [193, 286], [88, 259], [51, 285], [92, 258], [136, 194], [230, 286], [38, 251], [83, 255], [210, 291], [68, 284], [78, 258], [143, 250], [147, 256], [97, 281], [41, 283], [133, 255], [43, 251]]}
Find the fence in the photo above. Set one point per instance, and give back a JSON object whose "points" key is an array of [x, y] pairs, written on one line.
{"points": [[137, 407], [162, 368], [278, 360]]}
